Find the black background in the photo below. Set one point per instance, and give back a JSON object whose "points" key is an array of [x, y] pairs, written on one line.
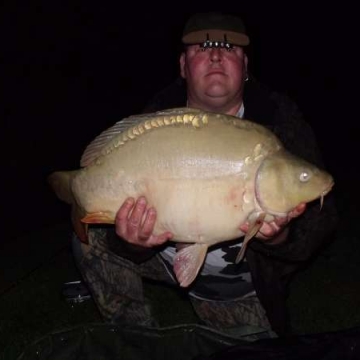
{"points": [[73, 68]]}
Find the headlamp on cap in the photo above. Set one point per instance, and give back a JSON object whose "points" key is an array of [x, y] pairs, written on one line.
{"points": [[208, 44], [225, 31]]}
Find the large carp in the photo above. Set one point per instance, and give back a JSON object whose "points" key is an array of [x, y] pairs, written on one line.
{"points": [[205, 174]]}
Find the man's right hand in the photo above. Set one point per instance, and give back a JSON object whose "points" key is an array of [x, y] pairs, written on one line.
{"points": [[135, 223]]}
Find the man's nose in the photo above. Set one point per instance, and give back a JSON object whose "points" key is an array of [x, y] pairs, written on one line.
{"points": [[215, 54]]}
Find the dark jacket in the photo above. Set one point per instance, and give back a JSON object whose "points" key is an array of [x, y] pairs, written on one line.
{"points": [[272, 265]]}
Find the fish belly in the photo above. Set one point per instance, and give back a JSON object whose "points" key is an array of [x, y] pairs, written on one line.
{"points": [[207, 211]]}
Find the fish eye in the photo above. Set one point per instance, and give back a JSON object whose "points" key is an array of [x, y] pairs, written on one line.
{"points": [[305, 176]]}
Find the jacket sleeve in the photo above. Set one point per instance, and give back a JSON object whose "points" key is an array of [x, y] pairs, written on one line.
{"points": [[314, 227]]}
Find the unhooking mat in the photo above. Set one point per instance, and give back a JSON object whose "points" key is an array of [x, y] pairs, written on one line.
{"points": [[187, 342]]}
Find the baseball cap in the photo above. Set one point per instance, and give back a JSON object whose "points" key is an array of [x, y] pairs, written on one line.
{"points": [[214, 26]]}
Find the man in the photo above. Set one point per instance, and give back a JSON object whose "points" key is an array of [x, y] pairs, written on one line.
{"points": [[251, 296]]}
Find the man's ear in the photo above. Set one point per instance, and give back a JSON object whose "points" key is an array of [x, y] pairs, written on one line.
{"points": [[182, 65]]}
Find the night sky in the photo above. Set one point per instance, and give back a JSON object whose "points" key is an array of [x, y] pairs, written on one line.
{"points": [[74, 68]]}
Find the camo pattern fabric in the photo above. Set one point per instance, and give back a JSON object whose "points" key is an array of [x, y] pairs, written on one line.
{"points": [[115, 282], [225, 315], [116, 286]]}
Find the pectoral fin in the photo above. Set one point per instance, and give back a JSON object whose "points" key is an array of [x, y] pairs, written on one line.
{"points": [[80, 228], [188, 261], [99, 218], [254, 227], [80, 222]]}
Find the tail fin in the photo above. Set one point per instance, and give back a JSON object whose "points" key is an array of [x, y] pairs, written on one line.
{"points": [[60, 182]]}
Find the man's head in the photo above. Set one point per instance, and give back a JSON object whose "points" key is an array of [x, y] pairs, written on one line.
{"points": [[213, 63]]}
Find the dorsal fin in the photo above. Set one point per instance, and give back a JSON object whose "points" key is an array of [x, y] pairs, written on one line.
{"points": [[133, 126], [93, 150]]}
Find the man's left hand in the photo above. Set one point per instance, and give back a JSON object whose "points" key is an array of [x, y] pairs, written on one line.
{"points": [[275, 232]]}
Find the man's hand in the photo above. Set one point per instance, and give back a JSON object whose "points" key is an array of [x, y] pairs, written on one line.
{"points": [[275, 232], [135, 223]]}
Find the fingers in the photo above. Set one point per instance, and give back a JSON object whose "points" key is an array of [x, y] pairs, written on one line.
{"points": [[148, 224], [267, 230], [135, 224], [297, 211], [129, 218], [271, 229], [159, 239], [136, 216], [282, 221], [122, 217]]}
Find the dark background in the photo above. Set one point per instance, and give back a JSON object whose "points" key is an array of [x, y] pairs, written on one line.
{"points": [[73, 68]]}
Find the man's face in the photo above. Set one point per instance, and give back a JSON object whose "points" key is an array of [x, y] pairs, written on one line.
{"points": [[214, 76]]}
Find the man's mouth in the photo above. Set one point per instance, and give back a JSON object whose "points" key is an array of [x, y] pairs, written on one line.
{"points": [[215, 72]]}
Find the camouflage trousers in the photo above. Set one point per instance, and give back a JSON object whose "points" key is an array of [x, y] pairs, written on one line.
{"points": [[117, 288]]}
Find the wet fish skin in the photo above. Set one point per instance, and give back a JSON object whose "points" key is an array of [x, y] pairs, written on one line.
{"points": [[205, 173]]}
